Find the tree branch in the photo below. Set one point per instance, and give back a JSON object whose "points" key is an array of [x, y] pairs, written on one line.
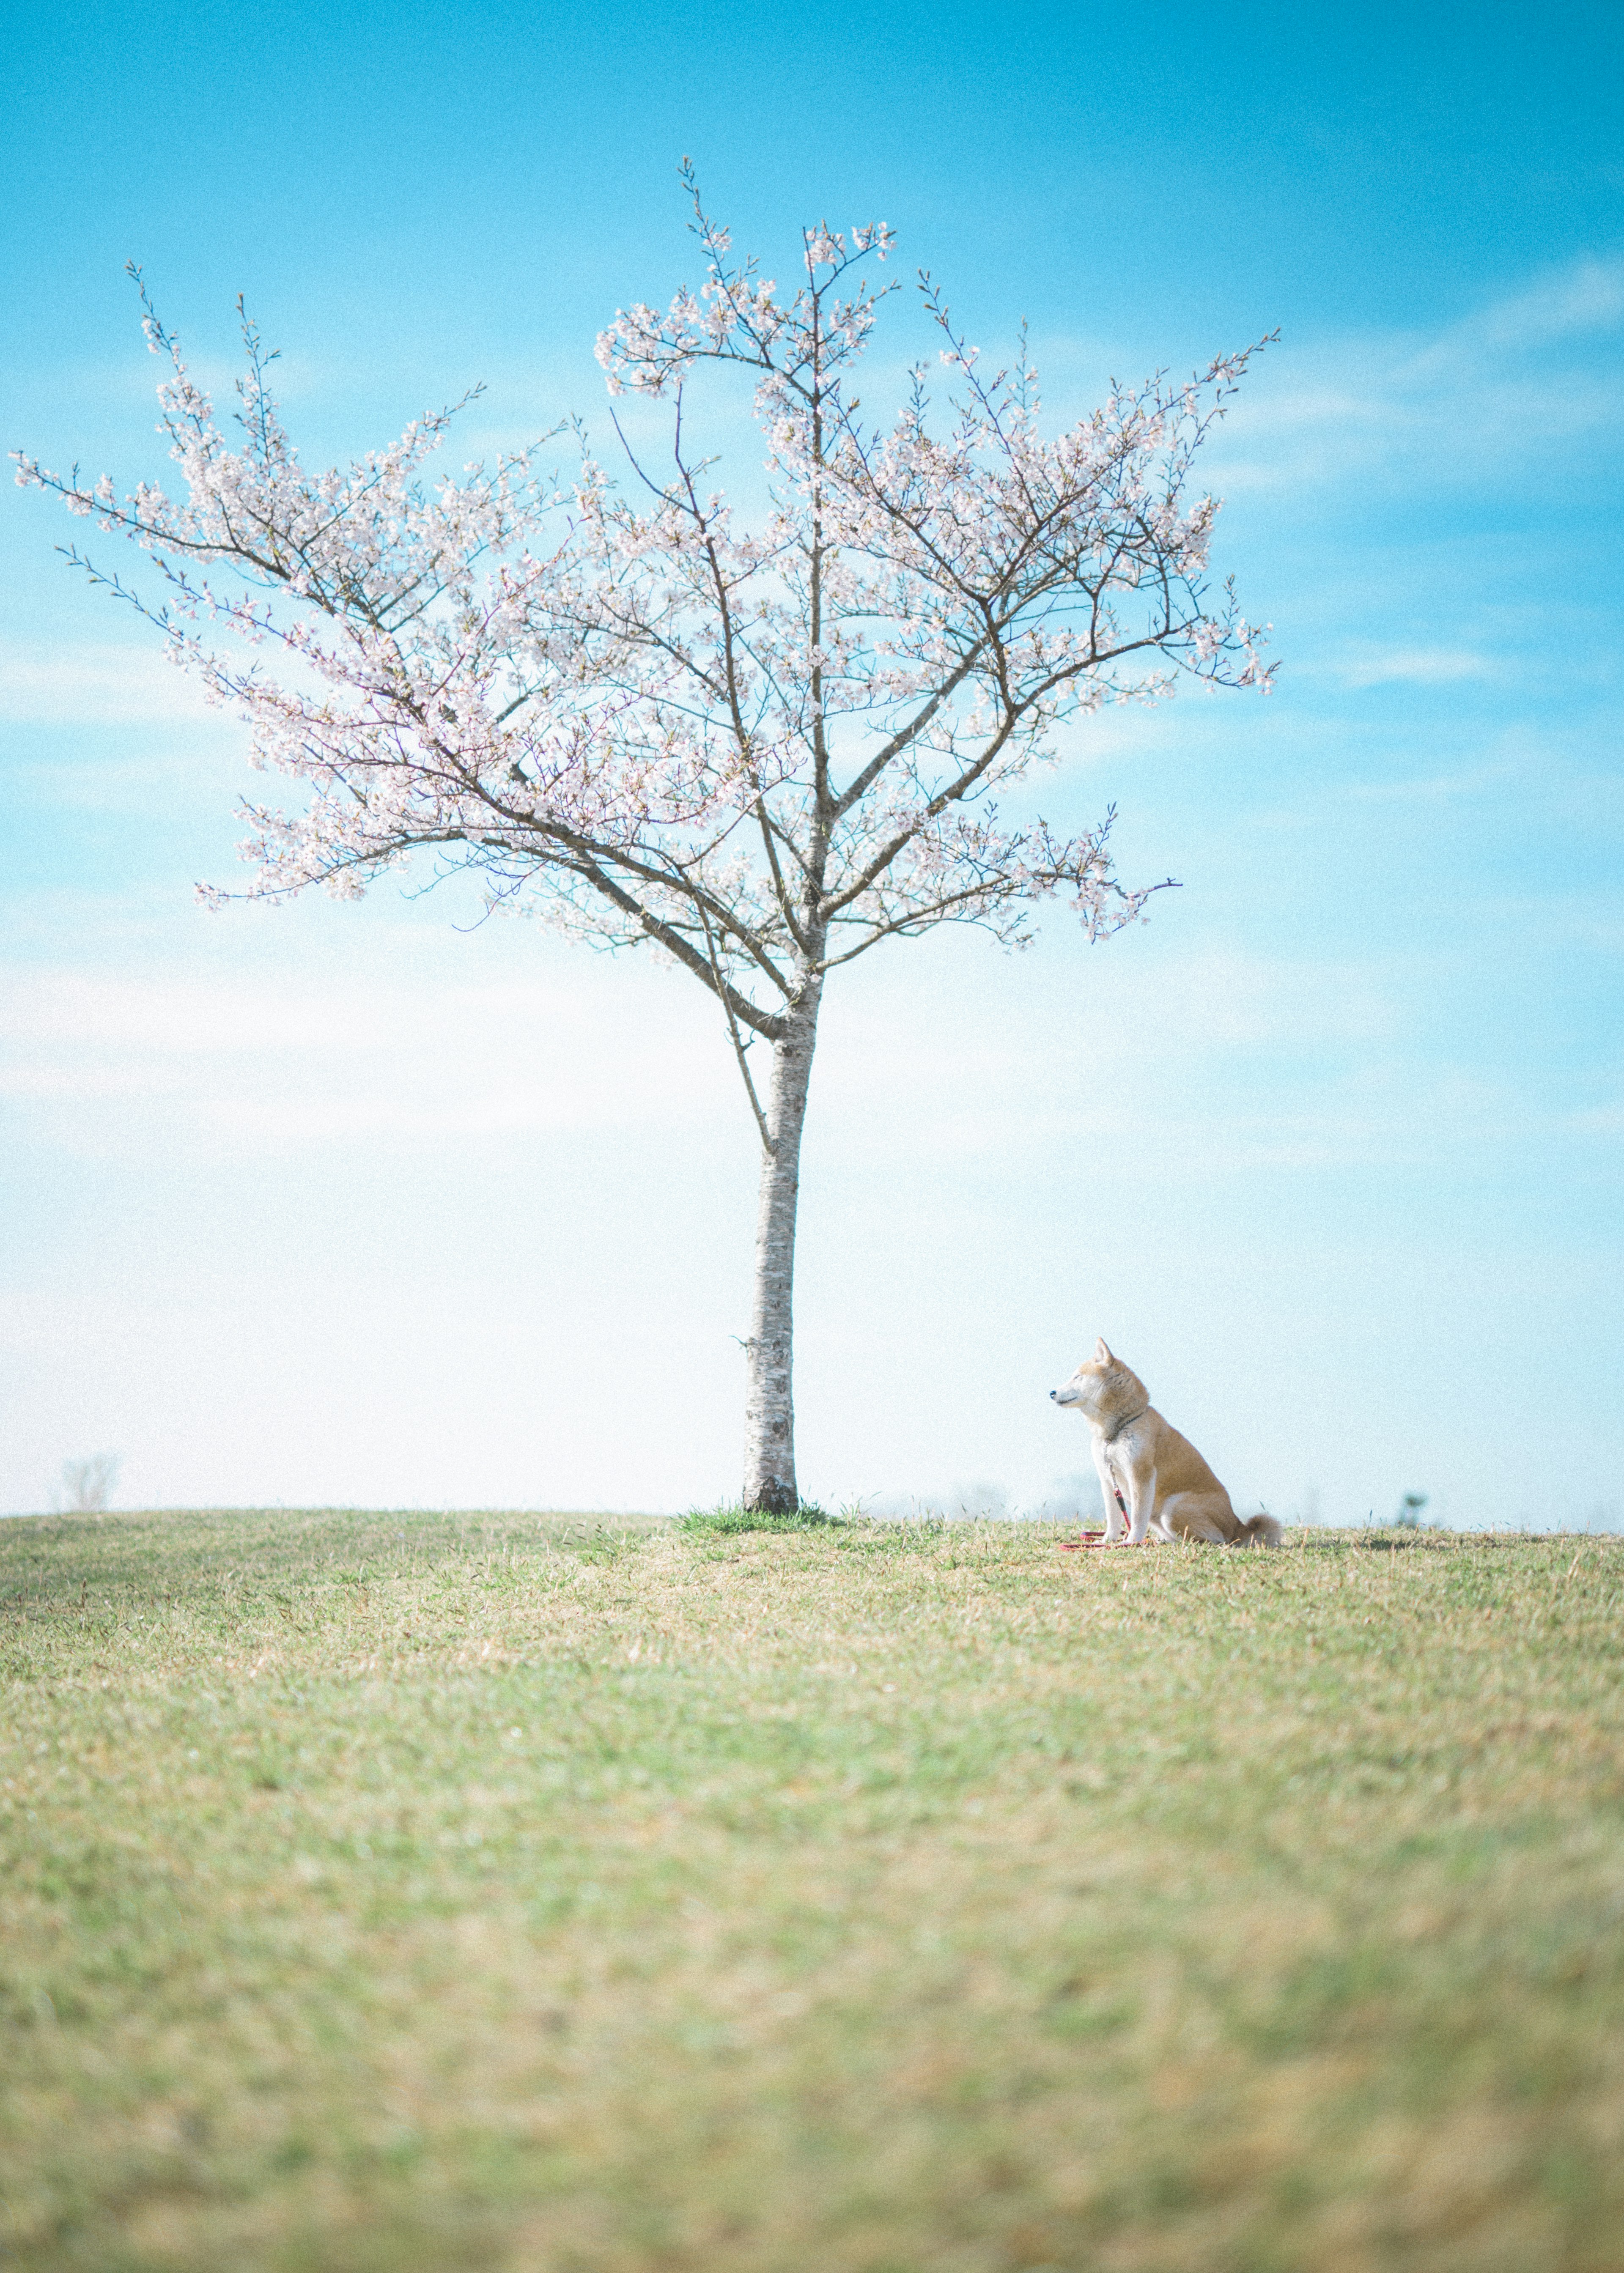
{"points": [[769, 1142]]}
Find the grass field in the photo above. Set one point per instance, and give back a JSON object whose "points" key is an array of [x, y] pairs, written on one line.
{"points": [[563, 1896]]}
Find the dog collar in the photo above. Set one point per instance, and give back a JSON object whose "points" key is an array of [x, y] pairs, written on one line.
{"points": [[1127, 1421]]}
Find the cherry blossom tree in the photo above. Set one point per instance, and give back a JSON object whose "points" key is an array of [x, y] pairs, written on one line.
{"points": [[760, 746]]}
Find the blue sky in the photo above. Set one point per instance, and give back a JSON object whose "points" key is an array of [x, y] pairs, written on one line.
{"points": [[361, 1204]]}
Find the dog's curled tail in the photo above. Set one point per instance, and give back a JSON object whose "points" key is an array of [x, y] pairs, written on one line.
{"points": [[1261, 1531]]}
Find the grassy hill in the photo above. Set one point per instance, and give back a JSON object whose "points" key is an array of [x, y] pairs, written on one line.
{"points": [[568, 1896]]}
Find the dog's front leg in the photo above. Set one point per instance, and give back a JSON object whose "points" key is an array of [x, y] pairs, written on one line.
{"points": [[1141, 1500], [1110, 1492]]}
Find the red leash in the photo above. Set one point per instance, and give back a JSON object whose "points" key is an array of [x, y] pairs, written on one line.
{"points": [[1092, 1538]]}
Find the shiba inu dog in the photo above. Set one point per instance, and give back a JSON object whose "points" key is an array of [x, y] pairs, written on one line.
{"points": [[1155, 1483]]}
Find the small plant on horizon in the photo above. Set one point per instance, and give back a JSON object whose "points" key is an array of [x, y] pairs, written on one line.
{"points": [[761, 751], [86, 1486], [1408, 1516]]}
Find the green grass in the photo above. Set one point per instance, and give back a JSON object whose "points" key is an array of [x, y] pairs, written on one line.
{"points": [[446, 1892], [728, 1521]]}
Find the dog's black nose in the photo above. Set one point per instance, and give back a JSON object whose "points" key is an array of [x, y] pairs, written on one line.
{"points": [[1053, 1394]]}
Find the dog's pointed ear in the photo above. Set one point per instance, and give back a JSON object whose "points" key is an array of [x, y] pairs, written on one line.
{"points": [[1102, 1352]]}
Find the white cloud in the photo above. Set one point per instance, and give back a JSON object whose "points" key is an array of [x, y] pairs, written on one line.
{"points": [[252, 1064], [1586, 297], [1514, 384], [1599, 1121], [1415, 666], [1436, 789], [288, 1061], [104, 685]]}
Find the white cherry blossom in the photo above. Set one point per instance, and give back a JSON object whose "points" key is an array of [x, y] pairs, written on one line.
{"points": [[760, 748]]}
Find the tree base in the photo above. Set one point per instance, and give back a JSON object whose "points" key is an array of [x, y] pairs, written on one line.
{"points": [[773, 1499]]}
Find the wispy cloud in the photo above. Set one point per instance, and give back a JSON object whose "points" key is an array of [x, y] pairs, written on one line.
{"points": [[266, 1063], [1494, 774], [1205, 1066], [1512, 385], [1600, 1119], [1585, 299], [106, 685], [1414, 666]]}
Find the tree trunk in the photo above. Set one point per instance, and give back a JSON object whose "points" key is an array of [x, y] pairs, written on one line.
{"points": [[770, 1410]]}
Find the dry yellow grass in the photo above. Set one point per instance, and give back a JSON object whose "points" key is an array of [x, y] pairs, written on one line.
{"points": [[501, 1893]]}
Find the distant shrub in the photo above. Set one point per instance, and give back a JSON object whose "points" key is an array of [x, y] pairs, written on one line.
{"points": [[87, 1485]]}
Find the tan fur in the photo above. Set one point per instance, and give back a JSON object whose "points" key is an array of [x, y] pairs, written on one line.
{"points": [[1155, 1484]]}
